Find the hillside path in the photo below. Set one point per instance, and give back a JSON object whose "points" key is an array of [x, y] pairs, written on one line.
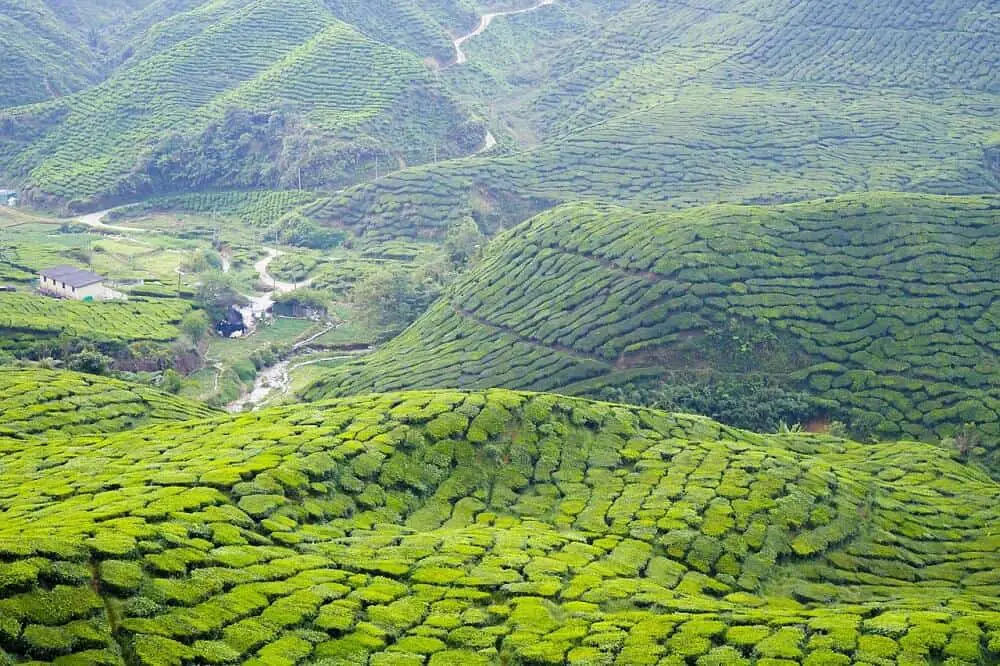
{"points": [[484, 22], [94, 221], [265, 277]]}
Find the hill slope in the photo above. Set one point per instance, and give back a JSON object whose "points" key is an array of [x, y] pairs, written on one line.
{"points": [[50, 403], [451, 528], [238, 95], [885, 304], [32, 325], [746, 101], [40, 55]]}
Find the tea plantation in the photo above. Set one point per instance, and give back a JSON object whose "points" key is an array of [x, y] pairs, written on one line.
{"points": [[671, 104], [49, 403], [301, 87], [885, 305], [28, 322], [494, 527]]}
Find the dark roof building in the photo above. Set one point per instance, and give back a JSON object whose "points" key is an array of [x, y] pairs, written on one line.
{"points": [[71, 276]]}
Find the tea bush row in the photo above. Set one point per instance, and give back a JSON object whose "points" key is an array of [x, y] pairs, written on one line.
{"points": [[435, 527], [884, 304]]}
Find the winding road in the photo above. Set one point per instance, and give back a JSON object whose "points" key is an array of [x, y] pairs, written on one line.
{"points": [[484, 22], [94, 221], [460, 58]]}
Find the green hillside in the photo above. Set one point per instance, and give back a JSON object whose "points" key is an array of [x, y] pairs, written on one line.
{"points": [[32, 325], [53, 48], [732, 101], [254, 96], [885, 304], [40, 55], [50, 403], [748, 101], [498, 527]]}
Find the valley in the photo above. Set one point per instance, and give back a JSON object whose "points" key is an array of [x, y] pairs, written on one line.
{"points": [[521, 332]]}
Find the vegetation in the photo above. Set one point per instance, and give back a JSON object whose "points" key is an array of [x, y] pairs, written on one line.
{"points": [[883, 304], [258, 208], [269, 95], [393, 298], [772, 215], [492, 527], [55, 403], [748, 402], [32, 326], [724, 103]]}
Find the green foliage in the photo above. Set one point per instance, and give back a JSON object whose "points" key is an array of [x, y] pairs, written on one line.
{"points": [[36, 326], [195, 325], [46, 404], [300, 231], [307, 101], [749, 403], [464, 242], [392, 298], [833, 304], [217, 293], [446, 527]]}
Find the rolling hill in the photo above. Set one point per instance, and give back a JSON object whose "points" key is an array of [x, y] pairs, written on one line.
{"points": [[475, 528], [40, 55], [665, 105], [49, 404], [34, 326], [884, 305], [739, 100], [242, 95]]}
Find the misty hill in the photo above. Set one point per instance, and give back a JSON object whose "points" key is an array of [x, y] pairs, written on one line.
{"points": [[673, 104], [246, 95]]}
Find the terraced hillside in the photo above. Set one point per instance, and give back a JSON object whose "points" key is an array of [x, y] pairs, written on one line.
{"points": [[52, 403], [244, 95], [667, 104], [29, 323], [885, 304], [454, 528], [39, 54]]}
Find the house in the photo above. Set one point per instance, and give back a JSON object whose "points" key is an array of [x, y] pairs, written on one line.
{"points": [[8, 197], [233, 326], [76, 283]]}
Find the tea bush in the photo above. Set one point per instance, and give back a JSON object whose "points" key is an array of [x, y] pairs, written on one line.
{"points": [[878, 309], [543, 529]]}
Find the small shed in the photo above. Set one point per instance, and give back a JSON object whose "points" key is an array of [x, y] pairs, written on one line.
{"points": [[71, 282]]}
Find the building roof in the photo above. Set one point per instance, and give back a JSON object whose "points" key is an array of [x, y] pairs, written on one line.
{"points": [[71, 275]]}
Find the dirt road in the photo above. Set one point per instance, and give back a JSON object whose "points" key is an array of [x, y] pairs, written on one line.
{"points": [[484, 22]]}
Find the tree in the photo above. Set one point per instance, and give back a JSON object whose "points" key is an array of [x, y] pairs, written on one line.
{"points": [[90, 361], [217, 294], [202, 261], [171, 381], [393, 298], [195, 325], [306, 298], [298, 230], [464, 241]]}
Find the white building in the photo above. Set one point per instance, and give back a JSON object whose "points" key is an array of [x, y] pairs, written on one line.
{"points": [[75, 283]]}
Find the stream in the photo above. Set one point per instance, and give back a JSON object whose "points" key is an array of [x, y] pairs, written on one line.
{"points": [[276, 380]]}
